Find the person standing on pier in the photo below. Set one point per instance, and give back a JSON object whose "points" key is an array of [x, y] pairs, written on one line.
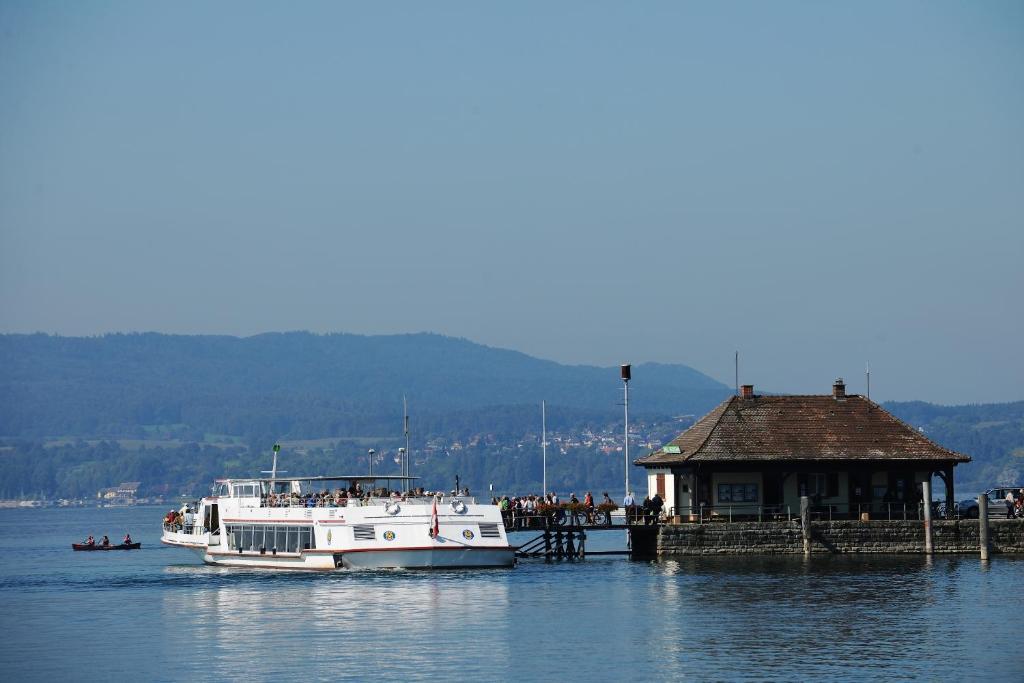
{"points": [[1010, 503], [629, 504], [656, 504]]}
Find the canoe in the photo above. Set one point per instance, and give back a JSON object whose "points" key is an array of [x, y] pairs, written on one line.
{"points": [[122, 546]]}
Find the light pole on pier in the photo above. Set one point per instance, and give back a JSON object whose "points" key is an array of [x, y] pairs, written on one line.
{"points": [[625, 405], [372, 453]]}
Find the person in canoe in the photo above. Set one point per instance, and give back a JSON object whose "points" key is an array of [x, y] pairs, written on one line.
{"points": [[105, 542], [127, 539], [90, 541]]}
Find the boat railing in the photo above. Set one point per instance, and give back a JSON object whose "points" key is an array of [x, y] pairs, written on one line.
{"points": [[367, 501]]}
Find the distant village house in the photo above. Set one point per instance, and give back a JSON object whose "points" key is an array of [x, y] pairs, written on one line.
{"points": [[122, 494]]}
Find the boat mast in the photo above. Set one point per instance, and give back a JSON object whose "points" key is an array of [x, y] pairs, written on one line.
{"points": [[544, 446], [408, 453]]}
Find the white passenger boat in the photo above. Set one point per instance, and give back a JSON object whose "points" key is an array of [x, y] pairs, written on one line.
{"points": [[330, 523]]}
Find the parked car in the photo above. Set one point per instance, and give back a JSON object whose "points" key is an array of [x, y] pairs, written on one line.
{"points": [[996, 502]]}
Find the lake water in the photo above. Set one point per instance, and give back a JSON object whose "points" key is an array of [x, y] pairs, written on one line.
{"points": [[159, 614]]}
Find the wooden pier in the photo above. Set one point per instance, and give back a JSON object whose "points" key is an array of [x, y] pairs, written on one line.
{"points": [[567, 539]]}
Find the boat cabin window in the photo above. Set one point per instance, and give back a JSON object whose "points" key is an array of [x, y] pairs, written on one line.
{"points": [[270, 537], [221, 490], [246, 490], [279, 487]]}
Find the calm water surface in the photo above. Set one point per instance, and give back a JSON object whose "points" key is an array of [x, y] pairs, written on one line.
{"points": [[159, 614]]}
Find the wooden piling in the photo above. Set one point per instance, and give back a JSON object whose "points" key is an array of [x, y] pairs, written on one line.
{"points": [[983, 526], [926, 491], [805, 522]]}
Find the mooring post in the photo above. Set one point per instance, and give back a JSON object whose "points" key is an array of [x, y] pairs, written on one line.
{"points": [[583, 544], [926, 494], [547, 537], [570, 549], [559, 552], [983, 526], [805, 522]]}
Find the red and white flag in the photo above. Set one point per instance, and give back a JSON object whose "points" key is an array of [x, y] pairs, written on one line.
{"points": [[435, 528]]}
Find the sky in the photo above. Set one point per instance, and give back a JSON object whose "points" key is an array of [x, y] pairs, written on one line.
{"points": [[816, 185]]}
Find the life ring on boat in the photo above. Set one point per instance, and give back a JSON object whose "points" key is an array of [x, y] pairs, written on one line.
{"points": [[392, 508], [458, 507]]}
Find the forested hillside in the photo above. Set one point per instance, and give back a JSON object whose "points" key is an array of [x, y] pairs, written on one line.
{"points": [[302, 385], [992, 434]]}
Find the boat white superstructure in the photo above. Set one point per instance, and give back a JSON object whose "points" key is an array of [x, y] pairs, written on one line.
{"points": [[329, 523]]}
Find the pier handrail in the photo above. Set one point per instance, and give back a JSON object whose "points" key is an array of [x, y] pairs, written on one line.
{"points": [[823, 511]]}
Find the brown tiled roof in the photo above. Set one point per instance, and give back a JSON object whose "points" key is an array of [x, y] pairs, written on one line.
{"points": [[800, 428]]}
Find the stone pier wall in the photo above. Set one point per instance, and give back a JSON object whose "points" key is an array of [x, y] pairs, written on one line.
{"points": [[737, 538]]}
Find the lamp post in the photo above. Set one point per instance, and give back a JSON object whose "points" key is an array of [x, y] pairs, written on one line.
{"points": [[626, 375], [372, 453]]}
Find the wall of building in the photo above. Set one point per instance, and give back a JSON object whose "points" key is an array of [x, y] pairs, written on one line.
{"points": [[896, 536], [669, 498]]}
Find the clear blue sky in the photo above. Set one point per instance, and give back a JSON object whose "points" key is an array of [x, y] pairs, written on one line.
{"points": [[815, 184]]}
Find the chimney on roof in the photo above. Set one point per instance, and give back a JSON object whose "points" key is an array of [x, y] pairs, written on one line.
{"points": [[747, 391], [839, 389]]}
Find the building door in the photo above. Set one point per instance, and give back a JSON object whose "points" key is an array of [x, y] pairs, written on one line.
{"points": [[772, 488]]}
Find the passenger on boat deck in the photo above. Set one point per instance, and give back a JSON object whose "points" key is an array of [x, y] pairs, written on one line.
{"points": [[127, 539], [105, 542], [90, 540]]}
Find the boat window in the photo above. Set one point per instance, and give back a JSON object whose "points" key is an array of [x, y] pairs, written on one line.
{"points": [[285, 539]]}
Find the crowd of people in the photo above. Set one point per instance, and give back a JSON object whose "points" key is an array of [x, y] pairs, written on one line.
{"points": [[519, 508], [341, 497]]}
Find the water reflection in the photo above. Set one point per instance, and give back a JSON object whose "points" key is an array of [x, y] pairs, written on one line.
{"points": [[350, 623]]}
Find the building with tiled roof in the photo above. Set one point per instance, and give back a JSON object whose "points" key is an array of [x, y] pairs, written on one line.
{"points": [[759, 454]]}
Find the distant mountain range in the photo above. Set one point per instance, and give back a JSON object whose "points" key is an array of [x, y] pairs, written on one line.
{"points": [[299, 384], [79, 414]]}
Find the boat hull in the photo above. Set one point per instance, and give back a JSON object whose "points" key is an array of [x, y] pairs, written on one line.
{"points": [[390, 558], [429, 558]]}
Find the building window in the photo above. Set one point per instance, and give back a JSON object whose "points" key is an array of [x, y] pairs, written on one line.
{"points": [[737, 493], [819, 485]]}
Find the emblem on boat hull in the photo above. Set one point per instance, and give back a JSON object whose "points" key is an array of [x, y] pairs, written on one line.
{"points": [[467, 534], [389, 535]]}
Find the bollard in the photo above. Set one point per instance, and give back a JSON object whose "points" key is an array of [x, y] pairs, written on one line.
{"points": [[805, 522], [983, 526], [926, 491]]}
